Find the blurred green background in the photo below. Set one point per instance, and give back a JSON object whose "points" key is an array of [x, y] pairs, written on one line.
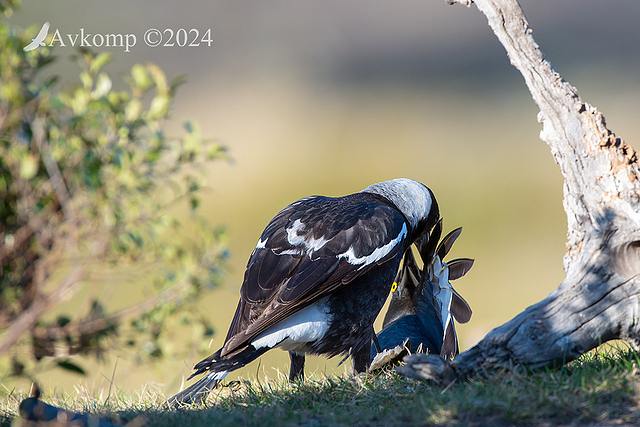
{"points": [[327, 97]]}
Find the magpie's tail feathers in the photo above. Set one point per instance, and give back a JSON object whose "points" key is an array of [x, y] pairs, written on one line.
{"points": [[217, 369], [197, 392]]}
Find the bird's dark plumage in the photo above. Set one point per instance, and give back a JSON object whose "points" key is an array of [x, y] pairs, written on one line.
{"points": [[411, 314], [319, 276], [422, 302]]}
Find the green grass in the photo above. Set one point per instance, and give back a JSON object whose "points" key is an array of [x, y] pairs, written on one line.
{"points": [[600, 388]]}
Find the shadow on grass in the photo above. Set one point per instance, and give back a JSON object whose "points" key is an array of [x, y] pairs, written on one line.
{"points": [[599, 388]]}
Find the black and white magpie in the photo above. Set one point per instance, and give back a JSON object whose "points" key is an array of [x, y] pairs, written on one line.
{"points": [[318, 278]]}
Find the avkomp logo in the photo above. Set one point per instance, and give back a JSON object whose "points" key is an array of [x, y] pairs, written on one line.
{"points": [[152, 37], [39, 39]]}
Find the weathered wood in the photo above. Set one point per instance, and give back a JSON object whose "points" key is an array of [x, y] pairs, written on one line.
{"points": [[599, 300]]}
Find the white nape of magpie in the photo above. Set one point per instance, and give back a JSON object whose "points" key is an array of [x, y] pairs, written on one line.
{"points": [[318, 278]]}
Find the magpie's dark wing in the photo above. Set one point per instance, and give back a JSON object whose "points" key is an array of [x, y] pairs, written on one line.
{"points": [[311, 248]]}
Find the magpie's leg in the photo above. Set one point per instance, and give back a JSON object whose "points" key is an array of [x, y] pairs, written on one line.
{"points": [[297, 366], [362, 359]]}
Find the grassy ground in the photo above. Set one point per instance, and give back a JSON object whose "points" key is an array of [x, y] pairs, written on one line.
{"points": [[600, 388]]}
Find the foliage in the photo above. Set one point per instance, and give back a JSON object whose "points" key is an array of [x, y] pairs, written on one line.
{"points": [[90, 186], [599, 388]]}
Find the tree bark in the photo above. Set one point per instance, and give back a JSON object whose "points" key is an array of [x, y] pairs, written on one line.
{"points": [[599, 300]]}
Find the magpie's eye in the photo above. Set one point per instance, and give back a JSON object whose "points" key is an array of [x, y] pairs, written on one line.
{"points": [[394, 287]]}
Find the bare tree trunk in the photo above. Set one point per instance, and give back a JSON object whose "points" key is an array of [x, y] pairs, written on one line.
{"points": [[599, 300]]}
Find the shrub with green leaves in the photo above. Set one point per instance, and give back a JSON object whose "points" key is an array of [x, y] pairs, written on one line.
{"points": [[90, 184]]}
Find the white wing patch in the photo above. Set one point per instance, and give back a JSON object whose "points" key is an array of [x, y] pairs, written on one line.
{"points": [[310, 243], [294, 332], [377, 254], [261, 244]]}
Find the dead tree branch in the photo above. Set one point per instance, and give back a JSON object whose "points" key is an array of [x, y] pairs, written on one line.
{"points": [[599, 300]]}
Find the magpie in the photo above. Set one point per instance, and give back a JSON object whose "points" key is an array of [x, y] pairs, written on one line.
{"points": [[423, 303], [318, 277]]}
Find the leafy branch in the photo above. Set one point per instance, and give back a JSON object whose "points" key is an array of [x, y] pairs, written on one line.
{"points": [[88, 180]]}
